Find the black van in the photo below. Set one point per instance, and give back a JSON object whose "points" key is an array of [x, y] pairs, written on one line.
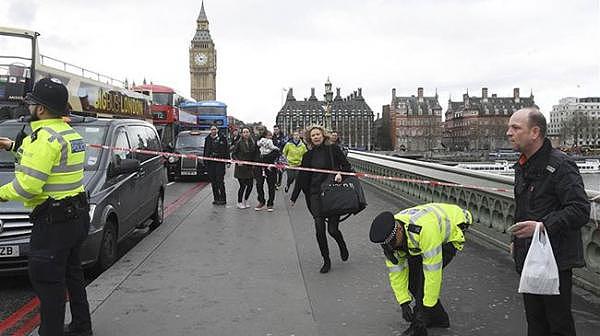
{"points": [[126, 190]]}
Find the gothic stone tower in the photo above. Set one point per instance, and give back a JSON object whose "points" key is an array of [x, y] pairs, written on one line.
{"points": [[203, 61]]}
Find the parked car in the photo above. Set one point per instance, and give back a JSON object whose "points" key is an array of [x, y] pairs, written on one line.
{"points": [[188, 142], [126, 190]]}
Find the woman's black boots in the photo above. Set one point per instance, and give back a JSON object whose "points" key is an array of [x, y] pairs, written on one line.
{"points": [[326, 265]]}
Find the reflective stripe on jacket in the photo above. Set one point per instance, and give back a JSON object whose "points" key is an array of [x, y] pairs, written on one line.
{"points": [[427, 227], [50, 164]]}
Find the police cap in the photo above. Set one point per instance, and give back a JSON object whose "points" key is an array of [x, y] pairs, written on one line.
{"points": [[51, 93], [381, 228]]}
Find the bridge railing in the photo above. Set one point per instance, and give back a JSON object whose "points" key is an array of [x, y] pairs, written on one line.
{"points": [[493, 211]]}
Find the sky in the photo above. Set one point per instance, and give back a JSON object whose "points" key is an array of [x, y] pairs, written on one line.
{"points": [[266, 46]]}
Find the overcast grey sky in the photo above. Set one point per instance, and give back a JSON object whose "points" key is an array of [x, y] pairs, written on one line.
{"points": [[264, 46]]}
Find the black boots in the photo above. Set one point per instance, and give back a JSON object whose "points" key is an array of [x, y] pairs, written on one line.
{"points": [[415, 330], [417, 326], [436, 317], [326, 265], [327, 262], [77, 330], [344, 251]]}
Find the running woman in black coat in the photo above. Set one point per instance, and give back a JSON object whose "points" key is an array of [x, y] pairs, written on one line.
{"points": [[320, 155]]}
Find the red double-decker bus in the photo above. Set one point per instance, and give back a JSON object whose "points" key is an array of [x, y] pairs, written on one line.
{"points": [[168, 119]]}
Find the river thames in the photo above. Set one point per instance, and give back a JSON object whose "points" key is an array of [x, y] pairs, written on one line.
{"points": [[591, 181]]}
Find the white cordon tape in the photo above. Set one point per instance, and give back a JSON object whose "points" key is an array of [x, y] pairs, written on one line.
{"points": [[314, 170]]}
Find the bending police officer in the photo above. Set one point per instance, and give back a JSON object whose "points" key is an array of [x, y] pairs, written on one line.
{"points": [[215, 146], [418, 243], [49, 179]]}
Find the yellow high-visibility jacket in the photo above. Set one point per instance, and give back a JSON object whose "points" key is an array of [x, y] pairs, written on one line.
{"points": [[50, 164], [293, 153], [427, 227]]}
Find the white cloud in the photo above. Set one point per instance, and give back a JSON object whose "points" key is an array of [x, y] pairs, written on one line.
{"points": [[22, 12], [266, 45]]}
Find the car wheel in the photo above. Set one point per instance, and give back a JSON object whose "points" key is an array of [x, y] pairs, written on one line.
{"points": [[108, 248], [159, 212]]}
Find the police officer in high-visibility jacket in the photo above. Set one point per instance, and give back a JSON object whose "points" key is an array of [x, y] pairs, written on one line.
{"points": [[49, 179], [418, 242]]}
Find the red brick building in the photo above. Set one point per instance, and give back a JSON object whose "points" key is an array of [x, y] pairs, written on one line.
{"points": [[480, 123]]}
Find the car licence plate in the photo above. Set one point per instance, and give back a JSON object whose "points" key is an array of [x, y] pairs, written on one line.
{"points": [[188, 173], [9, 251]]}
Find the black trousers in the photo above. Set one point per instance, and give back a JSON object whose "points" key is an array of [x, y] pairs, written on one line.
{"points": [[551, 314], [416, 278], [291, 176], [279, 177], [55, 268], [245, 189], [322, 224], [270, 177], [216, 176]]}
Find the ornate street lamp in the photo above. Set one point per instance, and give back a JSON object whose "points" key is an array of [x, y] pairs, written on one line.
{"points": [[328, 100]]}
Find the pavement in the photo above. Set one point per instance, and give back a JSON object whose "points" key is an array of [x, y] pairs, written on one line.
{"points": [[214, 270]]}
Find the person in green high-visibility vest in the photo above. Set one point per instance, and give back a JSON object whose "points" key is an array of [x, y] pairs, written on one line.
{"points": [[418, 243], [49, 179]]}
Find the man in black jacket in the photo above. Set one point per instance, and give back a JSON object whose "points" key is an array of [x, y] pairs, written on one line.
{"points": [[215, 146], [279, 140], [548, 190]]}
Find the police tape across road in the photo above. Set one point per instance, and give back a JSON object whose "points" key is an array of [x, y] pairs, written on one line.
{"points": [[314, 170]]}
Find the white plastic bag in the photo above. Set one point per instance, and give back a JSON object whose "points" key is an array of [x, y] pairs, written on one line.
{"points": [[540, 273]]}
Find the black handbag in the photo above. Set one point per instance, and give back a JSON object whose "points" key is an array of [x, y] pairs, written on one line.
{"points": [[341, 198]]}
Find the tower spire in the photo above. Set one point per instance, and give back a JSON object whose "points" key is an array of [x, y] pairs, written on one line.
{"points": [[203, 60], [202, 15]]}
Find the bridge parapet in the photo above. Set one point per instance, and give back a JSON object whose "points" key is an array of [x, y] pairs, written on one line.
{"points": [[492, 210]]}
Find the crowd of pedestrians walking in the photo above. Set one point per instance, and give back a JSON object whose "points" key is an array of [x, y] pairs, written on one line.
{"points": [[262, 146]]}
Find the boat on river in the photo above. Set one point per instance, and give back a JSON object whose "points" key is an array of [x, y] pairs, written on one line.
{"points": [[503, 167]]}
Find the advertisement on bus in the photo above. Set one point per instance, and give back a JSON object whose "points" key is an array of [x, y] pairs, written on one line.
{"points": [[90, 93]]}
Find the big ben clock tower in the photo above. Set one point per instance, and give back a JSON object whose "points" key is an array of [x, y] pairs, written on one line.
{"points": [[203, 61]]}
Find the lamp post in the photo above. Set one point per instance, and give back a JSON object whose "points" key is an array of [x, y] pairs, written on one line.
{"points": [[328, 97], [328, 101]]}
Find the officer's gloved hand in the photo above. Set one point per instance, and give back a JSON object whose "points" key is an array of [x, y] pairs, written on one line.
{"points": [[407, 312]]}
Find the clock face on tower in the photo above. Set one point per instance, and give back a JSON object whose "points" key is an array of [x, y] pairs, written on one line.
{"points": [[201, 59]]}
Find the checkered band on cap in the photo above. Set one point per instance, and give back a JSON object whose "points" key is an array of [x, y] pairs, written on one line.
{"points": [[392, 234]]}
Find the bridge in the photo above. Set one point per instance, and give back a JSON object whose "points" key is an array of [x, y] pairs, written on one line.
{"points": [[212, 270]]}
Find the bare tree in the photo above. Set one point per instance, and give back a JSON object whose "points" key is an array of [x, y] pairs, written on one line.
{"points": [[578, 126]]}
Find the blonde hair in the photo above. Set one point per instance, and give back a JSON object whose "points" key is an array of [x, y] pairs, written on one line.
{"points": [[309, 129]]}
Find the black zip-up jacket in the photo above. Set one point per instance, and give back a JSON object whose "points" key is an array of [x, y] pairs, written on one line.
{"points": [[319, 157], [279, 140], [549, 189], [216, 148]]}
